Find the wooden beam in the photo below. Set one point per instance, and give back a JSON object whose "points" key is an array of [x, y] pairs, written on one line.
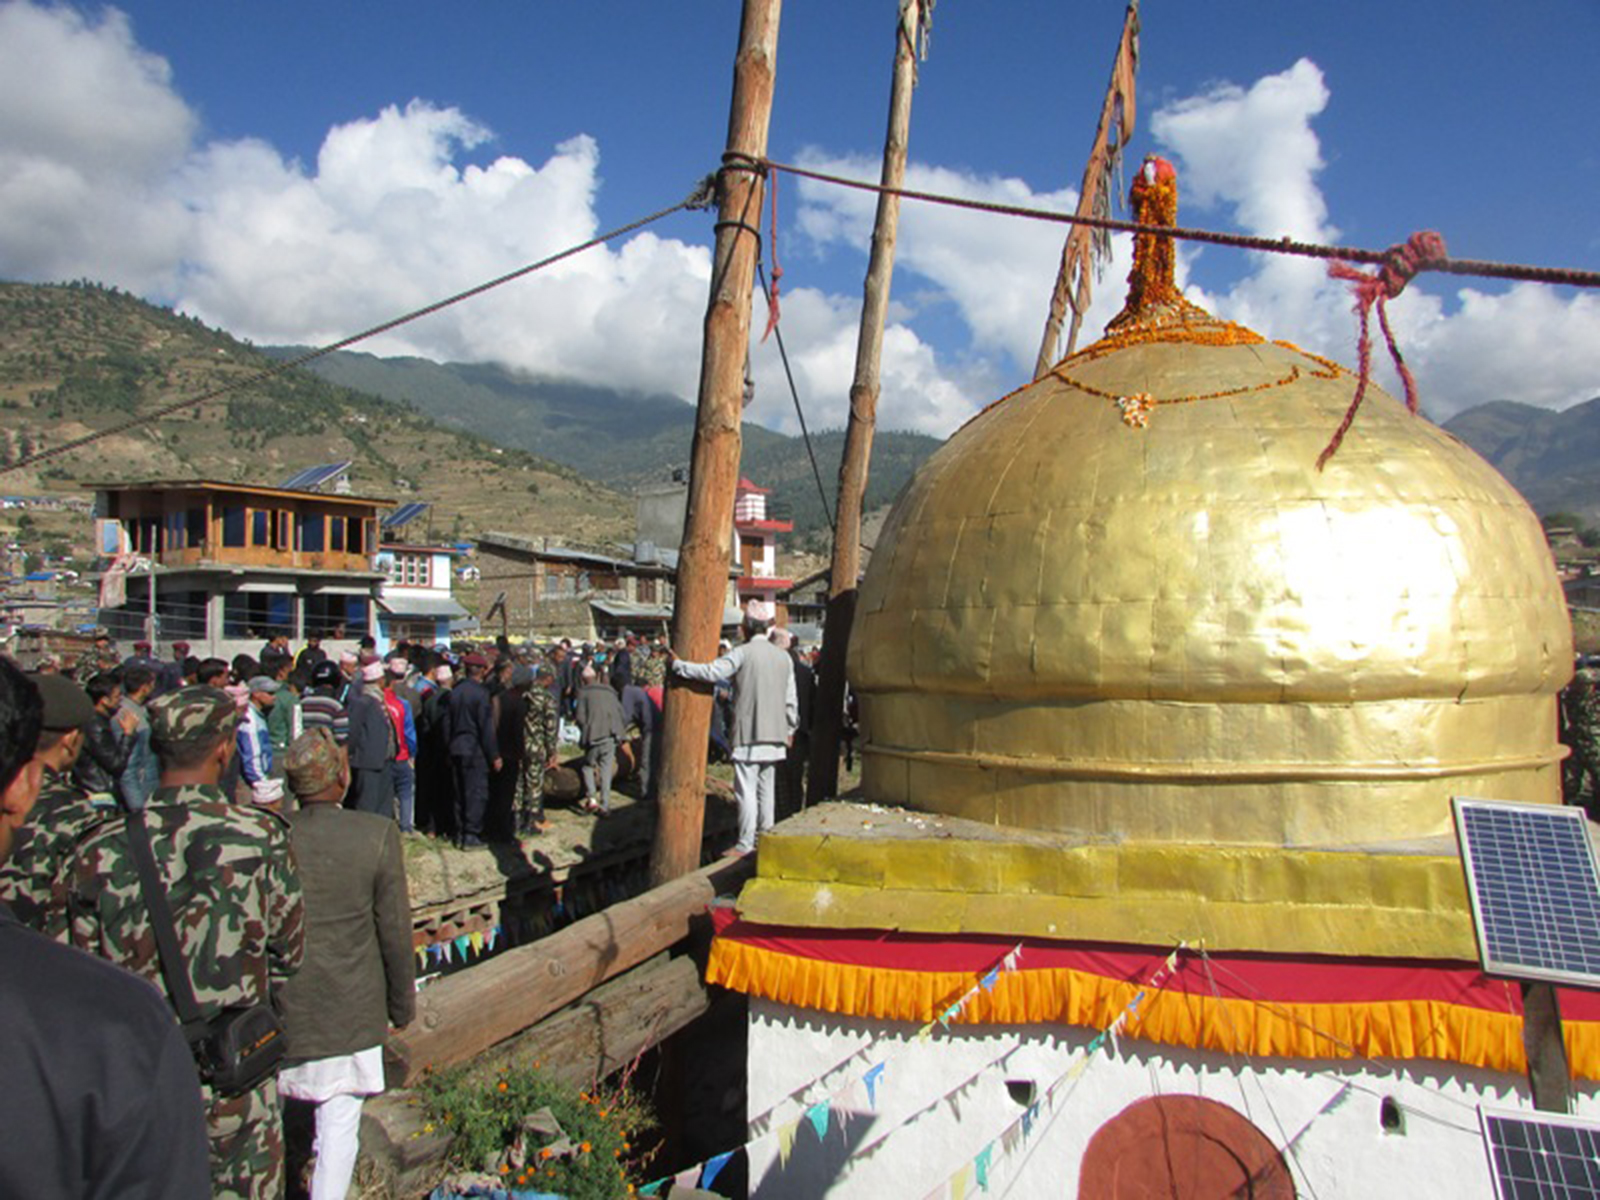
{"points": [[714, 457], [461, 1016], [1549, 1077], [606, 1030], [828, 713]]}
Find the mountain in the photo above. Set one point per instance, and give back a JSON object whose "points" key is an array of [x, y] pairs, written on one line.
{"points": [[79, 358], [619, 438], [1552, 458]]}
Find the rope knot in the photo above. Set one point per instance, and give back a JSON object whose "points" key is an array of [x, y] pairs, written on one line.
{"points": [[1422, 251]]}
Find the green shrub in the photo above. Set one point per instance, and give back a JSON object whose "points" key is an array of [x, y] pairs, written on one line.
{"points": [[591, 1158]]}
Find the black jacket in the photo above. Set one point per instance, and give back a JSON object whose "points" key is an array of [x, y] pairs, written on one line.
{"points": [[106, 750]]}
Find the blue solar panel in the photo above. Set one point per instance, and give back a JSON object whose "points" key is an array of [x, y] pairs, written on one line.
{"points": [[314, 477], [1535, 891], [1541, 1156], [404, 515]]}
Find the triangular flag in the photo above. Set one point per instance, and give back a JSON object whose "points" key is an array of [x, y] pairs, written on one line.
{"points": [[1027, 1120], [653, 1188], [463, 942], [988, 981], [685, 1178], [494, 936], [925, 1032], [444, 950], [981, 1165], [786, 1141], [477, 940], [874, 1073], [817, 1114], [1010, 1138], [1078, 1068], [962, 1183], [714, 1164], [422, 960]]}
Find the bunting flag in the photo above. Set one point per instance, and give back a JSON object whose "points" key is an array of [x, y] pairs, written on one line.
{"points": [[980, 1165], [786, 1134], [874, 1073], [685, 1179], [494, 936], [713, 1168], [653, 1188], [477, 941], [817, 1114], [463, 943], [988, 981]]}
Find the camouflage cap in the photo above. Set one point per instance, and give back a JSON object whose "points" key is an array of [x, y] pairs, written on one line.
{"points": [[189, 714], [313, 762]]}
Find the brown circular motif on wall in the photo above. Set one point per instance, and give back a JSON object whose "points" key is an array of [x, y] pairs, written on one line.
{"points": [[1181, 1148]]}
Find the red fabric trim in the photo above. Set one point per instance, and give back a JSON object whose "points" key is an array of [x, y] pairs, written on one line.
{"points": [[1287, 979]]}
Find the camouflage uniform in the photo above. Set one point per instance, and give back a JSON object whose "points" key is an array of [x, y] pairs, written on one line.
{"points": [[236, 902], [541, 727], [93, 664], [649, 669], [32, 882], [1580, 718]]}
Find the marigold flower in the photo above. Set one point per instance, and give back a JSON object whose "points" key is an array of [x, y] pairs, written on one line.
{"points": [[584, 1146], [502, 1085]]}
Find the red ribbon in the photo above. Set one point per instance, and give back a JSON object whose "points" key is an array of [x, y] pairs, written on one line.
{"points": [[1375, 289]]}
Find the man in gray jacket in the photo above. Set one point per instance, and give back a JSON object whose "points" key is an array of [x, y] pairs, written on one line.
{"points": [[599, 716], [766, 713], [358, 975]]}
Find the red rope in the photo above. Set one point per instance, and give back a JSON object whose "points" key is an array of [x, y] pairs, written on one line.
{"points": [[772, 253], [1422, 251]]}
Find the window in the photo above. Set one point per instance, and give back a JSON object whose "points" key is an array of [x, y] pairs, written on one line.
{"points": [[281, 538], [645, 592], [233, 525], [336, 534], [194, 520], [310, 531], [260, 519], [257, 614], [337, 616]]}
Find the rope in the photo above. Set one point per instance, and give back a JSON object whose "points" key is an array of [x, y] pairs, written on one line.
{"points": [[783, 353], [697, 199], [777, 271], [1378, 288], [1285, 245]]}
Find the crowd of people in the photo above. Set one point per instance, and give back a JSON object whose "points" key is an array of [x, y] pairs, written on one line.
{"points": [[272, 794]]}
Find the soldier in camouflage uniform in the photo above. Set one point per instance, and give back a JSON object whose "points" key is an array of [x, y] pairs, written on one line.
{"points": [[1580, 721], [32, 881], [649, 667], [541, 725], [236, 902]]}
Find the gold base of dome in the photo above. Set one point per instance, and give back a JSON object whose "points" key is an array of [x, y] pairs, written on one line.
{"points": [[1279, 774], [840, 866]]}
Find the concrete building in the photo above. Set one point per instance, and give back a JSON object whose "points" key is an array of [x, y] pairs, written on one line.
{"points": [[415, 603], [233, 564]]}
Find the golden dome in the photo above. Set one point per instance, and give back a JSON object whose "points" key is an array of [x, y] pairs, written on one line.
{"points": [[1124, 600]]}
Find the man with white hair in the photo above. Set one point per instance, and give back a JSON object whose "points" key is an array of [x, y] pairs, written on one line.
{"points": [[766, 713]]}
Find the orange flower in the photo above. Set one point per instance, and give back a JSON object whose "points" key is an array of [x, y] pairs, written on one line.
{"points": [[505, 1168], [546, 1152], [502, 1085], [584, 1146]]}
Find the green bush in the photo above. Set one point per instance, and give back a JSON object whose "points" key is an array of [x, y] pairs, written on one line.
{"points": [[591, 1158]]}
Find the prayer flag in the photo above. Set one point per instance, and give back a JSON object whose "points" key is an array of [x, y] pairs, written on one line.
{"points": [[962, 1183], [989, 980], [818, 1116], [786, 1141], [981, 1165], [685, 1178], [874, 1073], [477, 941], [714, 1164]]}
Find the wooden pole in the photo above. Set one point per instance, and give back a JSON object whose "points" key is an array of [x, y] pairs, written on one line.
{"points": [[714, 459], [829, 711]]}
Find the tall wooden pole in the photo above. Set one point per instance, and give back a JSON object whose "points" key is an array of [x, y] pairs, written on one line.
{"points": [[714, 460], [829, 710]]}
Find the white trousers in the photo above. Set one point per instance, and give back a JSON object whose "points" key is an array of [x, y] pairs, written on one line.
{"points": [[755, 786], [338, 1133]]}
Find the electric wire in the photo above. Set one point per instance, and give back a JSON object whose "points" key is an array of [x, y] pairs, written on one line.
{"points": [[816, 473], [699, 198]]}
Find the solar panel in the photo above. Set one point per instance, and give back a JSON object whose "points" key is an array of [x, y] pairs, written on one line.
{"points": [[1534, 1156], [315, 477], [1534, 888], [404, 515]]}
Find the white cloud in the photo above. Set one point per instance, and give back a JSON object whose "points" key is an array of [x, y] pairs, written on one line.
{"points": [[101, 176]]}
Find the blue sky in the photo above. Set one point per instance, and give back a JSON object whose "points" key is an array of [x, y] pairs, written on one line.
{"points": [[294, 172]]}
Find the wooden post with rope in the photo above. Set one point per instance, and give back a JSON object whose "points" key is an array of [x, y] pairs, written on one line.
{"points": [[714, 459], [823, 780]]}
